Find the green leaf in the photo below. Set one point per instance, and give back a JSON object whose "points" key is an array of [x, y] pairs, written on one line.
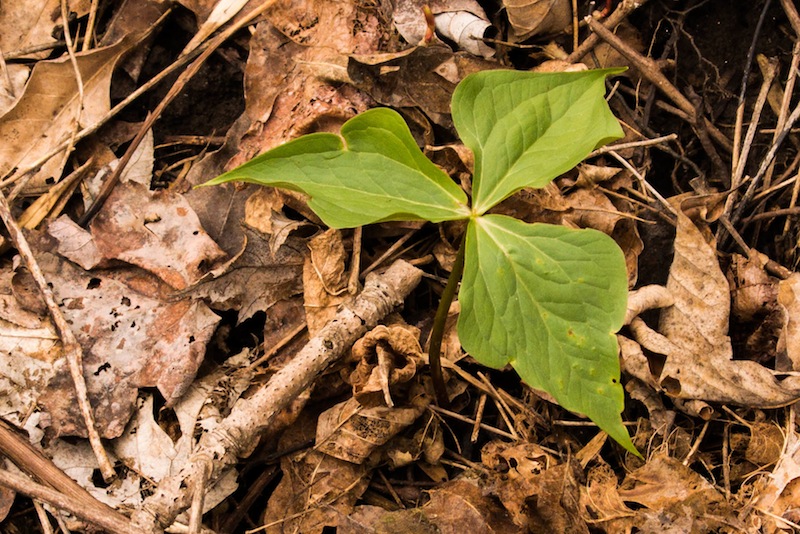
{"points": [[548, 300], [527, 128], [381, 175]]}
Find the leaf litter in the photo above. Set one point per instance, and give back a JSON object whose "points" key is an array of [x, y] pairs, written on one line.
{"points": [[187, 303]]}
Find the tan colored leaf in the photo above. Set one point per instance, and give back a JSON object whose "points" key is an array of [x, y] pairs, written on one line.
{"points": [[50, 109], [536, 17], [18, 76], [693, 336], [324, 279], [386, 356], [602, 502], [316, 489], [789, 300], [781, 493], [28, 23], [350, 432], [264, 212], [675, 498]]}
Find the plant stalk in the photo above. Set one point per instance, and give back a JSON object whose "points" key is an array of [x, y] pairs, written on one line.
{"points": [[435, 347]]}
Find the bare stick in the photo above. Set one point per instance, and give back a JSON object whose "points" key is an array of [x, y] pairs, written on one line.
{"points": [[625, 8], [740, 109], [72, 349], [792, 15], [221, 448], [111, 522]]}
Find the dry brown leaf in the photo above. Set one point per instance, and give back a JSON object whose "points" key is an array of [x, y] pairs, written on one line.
{"points": [[350, 432], [28, 23], [255, 279], [462, 22], [454, 508], [675, 498], [154, 230], [9, 93], [536, 17], [324, 279], [602, 503], [789, 342], [693, 336], [539, 494], [263, 211], [423, 77], [386, 356], [780, 493], [131, 337], [315, 491], [50, 109]]}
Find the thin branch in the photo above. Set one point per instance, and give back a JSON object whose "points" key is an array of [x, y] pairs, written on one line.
{"points": [[111, 522], [72, 349]]}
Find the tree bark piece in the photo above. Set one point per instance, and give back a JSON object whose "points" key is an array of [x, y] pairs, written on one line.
{"points": [[223, 446]]}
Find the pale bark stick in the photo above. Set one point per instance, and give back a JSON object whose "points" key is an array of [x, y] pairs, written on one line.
{"points": [[222, 447]]}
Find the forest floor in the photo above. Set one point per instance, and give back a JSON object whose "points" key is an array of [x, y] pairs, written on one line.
{"points": [[155, 337]]}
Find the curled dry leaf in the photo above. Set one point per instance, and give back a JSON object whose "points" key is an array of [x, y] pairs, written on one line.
{"points": [[463, 22], [693, 336], [536, 17], [386, 356]]}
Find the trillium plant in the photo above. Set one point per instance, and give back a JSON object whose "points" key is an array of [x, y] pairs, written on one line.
{"points": [[546, 299]]}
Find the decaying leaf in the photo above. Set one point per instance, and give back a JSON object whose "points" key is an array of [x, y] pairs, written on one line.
{"points": [[28, 23], [51, 109], [315, 491], [693, 335], [154, 230], [539, 493], [255, 279], [324, 279], [387, 356], [675, 498], [351, 432], [132, 335], [536, 17], [789, 342]]}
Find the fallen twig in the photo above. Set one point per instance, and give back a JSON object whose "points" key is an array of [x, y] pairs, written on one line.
{"points": [[99, 515], [72, 349], [222, 447]]}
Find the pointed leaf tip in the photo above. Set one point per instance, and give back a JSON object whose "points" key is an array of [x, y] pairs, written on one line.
{"points": [[380, 175], [548, 300], [526, 128]]}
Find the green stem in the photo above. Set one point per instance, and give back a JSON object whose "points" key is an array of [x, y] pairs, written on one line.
{"points": [[435, 348]]}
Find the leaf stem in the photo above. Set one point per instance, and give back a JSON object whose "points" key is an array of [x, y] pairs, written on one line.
{"points": [[435, 347]]}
